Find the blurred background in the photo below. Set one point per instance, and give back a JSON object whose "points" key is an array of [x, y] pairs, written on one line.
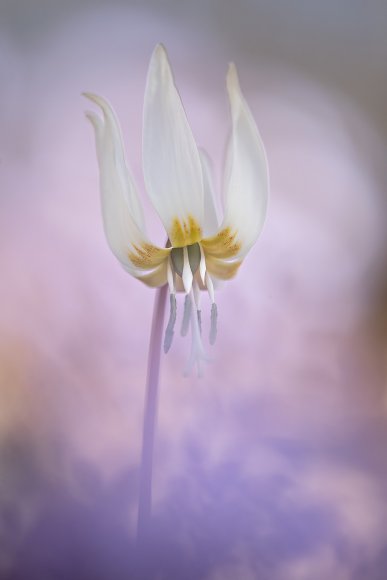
{"points": [[273, 465]]}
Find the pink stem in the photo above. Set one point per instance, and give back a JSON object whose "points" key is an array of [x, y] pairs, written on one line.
{"points": [[150, 413]]}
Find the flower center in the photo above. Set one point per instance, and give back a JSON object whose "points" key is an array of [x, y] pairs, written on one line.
{"points": [[185, 232], [177, 257], [189, 263]]}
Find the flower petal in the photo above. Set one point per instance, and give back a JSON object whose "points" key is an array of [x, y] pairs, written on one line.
{"points": [[121, 209], [210, 219], [111, 156], [172, 169], [224, 244], [158, 277], [222, 269], [246, 174]]}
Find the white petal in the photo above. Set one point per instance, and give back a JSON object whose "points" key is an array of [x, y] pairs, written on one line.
{"points": [[121, 210], [210, 219], [246, 173], [172, 169], [111, 156], [222, 269], [158, 276]]}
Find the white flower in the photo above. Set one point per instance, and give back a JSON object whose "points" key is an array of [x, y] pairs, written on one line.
{"points": [[178, 181]]}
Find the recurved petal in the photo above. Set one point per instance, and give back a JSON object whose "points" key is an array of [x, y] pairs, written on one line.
{"points": [[121, 210], [225, 244], [111, 157], [158, 276], [222, 269], [246, 172], [172, 169]]}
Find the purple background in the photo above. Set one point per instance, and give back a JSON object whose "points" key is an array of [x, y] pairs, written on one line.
{"points": [[273, 466]]}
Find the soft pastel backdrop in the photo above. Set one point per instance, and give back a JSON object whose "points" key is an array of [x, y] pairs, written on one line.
{"points": [[273, 466]]}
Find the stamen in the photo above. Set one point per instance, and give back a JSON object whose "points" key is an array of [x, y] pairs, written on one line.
{"points": [[210, 287], [171, 277], [187, 275], [196, 291], [214, 323], [202, 266], [169, 331], [186, 316], [214, 310]]}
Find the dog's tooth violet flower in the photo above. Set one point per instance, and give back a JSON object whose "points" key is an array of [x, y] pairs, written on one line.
{"points": [[178, 180]]}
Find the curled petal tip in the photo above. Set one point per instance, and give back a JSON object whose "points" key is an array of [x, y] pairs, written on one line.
{"points": [[94, 119], [160, 49], [100, 101], [90, 96], [232, 75], [90, 115], [160, 55], [231, 68], [160, 63], [233, 87], [95, 99]]}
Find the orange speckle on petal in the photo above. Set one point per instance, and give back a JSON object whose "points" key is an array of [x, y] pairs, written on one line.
{"points": [[146, 256], [185, 232], [224, 244]]}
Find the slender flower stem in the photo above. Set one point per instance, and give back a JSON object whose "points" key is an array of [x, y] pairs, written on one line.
{"points": [[150, 413]]}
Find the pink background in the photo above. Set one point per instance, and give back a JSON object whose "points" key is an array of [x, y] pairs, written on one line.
{"points": [[273, 466]]}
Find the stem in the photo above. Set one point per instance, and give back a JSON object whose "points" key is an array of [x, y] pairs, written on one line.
{"points": [[150, 413]]}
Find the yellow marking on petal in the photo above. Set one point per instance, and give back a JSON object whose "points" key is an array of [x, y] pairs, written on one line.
{"points": [[185, 233], [221, 269], [146, 256], [224, 244]]}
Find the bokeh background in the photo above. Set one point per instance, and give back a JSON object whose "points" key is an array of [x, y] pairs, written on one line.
{"points": [[272, 466]]}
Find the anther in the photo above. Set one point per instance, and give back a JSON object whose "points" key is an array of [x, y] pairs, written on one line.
{"points": [[214, 323], [169, 331], [199, 313]]}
